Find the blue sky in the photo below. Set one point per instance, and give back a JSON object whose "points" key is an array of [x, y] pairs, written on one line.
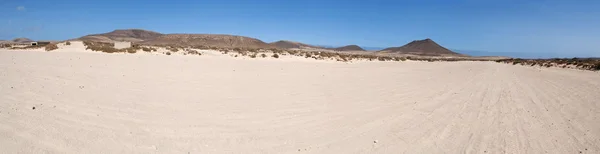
{"points": [[533, 28]]}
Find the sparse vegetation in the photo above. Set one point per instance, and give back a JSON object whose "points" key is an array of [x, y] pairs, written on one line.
{"points": [[131, 50], [27, 47], [252, 50], [578, 63], [292, 52], [51, 47], [172, 49], [148, 49], [307, 55], [100, 46], [108, 47], [5, 46], [67, 43], [193, 52], [276, 53]]}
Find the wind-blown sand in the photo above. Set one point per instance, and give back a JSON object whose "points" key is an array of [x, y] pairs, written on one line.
{"points": [[144, 103]]}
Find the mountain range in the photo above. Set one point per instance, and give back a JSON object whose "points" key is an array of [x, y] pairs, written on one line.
{"points": [[426, 47]]}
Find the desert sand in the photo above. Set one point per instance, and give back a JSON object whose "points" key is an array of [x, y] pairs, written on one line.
{"points": [[87, 102]]}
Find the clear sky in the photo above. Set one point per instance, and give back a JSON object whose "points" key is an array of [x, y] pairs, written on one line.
{"points": [[541, 28]]}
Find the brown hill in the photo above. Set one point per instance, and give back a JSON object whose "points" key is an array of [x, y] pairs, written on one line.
{"points": [[283, 44], [425, 47], [349, 48], [22, 40], [211, 40], [130, 35]]}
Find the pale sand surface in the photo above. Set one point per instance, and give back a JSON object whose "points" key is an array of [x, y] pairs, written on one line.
{"points": [[149, 103]]}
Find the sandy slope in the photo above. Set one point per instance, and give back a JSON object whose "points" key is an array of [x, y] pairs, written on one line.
{"points": [[144, 103]]}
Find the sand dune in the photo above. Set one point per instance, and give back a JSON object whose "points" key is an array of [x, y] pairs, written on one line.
{"points": [[89, 102]]}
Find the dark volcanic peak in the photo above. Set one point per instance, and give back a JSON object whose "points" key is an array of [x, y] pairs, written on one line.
{"points": [[425, 47], [211, 40], [22, 40], [349, 48]]}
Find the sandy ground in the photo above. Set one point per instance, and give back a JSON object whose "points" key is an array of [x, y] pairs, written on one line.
{"points": [[144, 103]]}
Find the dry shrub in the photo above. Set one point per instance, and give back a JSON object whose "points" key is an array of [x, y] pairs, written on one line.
{"points": [[28, 47], [5, 46], [51, 47], [168, 53], [243, 53], [275, 55], [596, 66], [276, 51], [109, 47], [100, 46], [68, 43], [149, 49], [384, 58], [173, 49], [253, 55], [344, 57], [131, 50], [193, 52], [579, 63], [292, 52], [263, 55], [307, 55], [202, 47]]}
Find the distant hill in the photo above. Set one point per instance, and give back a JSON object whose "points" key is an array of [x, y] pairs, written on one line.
{"points": [[283, 44], [154, 38], [129, 35], [349, 48], [22, 40], [363, 47], [212, 40], [373, 48], [426, 47]]}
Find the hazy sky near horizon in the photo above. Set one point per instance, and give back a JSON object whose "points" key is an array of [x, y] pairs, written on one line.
{"points": [[564, 28]]}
